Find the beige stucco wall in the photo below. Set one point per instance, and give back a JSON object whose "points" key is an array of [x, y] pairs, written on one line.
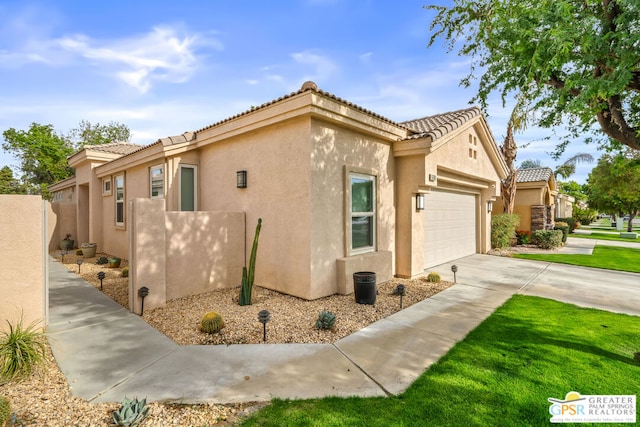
{"points": [[23, 273], [62, 220]]}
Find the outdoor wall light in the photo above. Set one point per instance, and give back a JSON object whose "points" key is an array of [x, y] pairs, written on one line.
{"points": [[241, 177], [489, 206], [143, 292], [419, 202]]}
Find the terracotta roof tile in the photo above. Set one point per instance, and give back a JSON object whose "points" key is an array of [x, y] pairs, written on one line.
{"points": [[534, 174], [441, 124]]}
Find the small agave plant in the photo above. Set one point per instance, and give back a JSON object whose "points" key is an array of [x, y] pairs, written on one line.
{"points": [[131, 413], [326, 320]]}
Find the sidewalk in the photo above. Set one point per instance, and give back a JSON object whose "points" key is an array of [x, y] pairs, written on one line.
{"points": [[108, 353]]}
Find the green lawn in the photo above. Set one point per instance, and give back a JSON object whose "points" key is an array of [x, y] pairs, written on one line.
{"points": [[607, 257], [502, 373], [604, 236]]}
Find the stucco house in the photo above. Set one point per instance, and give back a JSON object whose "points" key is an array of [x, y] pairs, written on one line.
{"points": [[535, 202], [339, 188]]}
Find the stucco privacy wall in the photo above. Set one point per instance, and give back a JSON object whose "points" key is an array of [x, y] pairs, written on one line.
{"points": [[177, 254], [23, 273], [62, 221]]}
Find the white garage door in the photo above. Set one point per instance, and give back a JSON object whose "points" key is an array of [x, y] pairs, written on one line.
{"points": [[449, 226]]}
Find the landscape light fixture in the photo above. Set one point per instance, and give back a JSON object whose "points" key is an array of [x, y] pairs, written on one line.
{"points": [[79, 262], [454, 268], [419, 202], [263, 317], [241, 177], [143, 292], [62, 254], [101, 276], [400, 290]]}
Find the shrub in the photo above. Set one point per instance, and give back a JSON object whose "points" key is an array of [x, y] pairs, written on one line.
{"points": [[102, 260], [125, 272], [131, 413], [5, 410], [503, 229], [571, 222], [21, 350], [79, 252], [548, 239], [433, 277], [564, 227], [523, 237], [326, 320], [211, 323]]}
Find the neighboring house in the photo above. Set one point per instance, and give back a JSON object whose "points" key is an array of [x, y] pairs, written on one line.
{"points": [[564, 205], [535, 202], [339, 188]]}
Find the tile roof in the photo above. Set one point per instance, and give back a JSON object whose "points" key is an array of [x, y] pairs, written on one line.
{"points": [[114, 148], [534, 174], [306, 86], [441, 124]]}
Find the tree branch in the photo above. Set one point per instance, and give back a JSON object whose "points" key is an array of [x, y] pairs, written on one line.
{"points": [[614, 124]]}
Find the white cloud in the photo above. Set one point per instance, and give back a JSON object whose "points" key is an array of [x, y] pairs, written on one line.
{"points": [[322, 67], [160, 55]]}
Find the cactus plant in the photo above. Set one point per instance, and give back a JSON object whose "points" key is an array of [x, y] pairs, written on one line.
{"points": [[211, 323], [433, 277], [79, 252], [131, 413], [5, 410], [249, 274], [102, 260], [125, 272], [326, 320]]}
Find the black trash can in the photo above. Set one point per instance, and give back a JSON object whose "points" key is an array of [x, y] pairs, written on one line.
{"points": [[364, 286]]}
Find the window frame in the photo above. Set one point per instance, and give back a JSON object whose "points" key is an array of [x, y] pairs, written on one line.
{"points": [[368, 175], [118, 201], [195, 186], [106, 186], [161, 195]]}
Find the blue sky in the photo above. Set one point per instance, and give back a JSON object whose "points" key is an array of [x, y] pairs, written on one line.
{"points": [[165, 67]]}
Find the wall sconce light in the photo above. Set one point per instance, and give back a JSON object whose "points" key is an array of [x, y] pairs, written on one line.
{"points": [[489, 206], [419, 202], [241, 177]]}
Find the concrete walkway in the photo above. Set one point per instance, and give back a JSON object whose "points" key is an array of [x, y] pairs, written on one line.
{"points": [[107, 353]]}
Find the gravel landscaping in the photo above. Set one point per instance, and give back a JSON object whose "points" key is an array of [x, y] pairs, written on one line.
{"points": [[45, 398]]}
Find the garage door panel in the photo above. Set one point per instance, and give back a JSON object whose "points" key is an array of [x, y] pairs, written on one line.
{"points": [[449, 226]]}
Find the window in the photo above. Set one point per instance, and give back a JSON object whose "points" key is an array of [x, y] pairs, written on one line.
{"points": [[156, 182], [362, 211], [188, 189], [106, 186], [119, 185]]}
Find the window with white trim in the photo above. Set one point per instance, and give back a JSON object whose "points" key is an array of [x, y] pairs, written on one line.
{"points": [[188, 188], [156, 182], [362, 210], [119, 189]]}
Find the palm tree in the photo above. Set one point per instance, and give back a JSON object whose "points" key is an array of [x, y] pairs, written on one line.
{"points": [[568, 168]]}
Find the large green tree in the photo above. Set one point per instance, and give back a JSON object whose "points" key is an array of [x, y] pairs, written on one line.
{"points": [[95, 133], [9, 184], [574, 62], [613, 185], [42, 155]]}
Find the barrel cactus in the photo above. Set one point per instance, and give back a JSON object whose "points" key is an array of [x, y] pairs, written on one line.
{"points": [[211, 323], [433, 277], [326, 320]]}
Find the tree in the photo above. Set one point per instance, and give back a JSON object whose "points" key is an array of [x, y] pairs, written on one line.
{"points": [[530, 164], [568, 168], [42, 155], [613, 185], [509, 150], [9, 184], [95, 134], [575, 62]]}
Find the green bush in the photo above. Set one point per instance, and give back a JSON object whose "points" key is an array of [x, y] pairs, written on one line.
{"points": [[21, 350], [79, 252], [570, 221], [102, 260], [523, 237], [125, 272], [433, 277], [326, 320], [503, 229], [5, 410], [548, 239], [564, 227]]}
